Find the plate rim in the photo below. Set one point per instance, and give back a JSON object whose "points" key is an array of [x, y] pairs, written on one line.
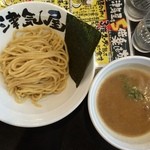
{"points": [[7, 114]]}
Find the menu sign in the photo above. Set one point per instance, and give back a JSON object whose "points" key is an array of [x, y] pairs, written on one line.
{"points": [[109, 18], [118, 29]]}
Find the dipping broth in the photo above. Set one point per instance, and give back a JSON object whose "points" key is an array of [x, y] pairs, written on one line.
{"points": [[123, 101]]}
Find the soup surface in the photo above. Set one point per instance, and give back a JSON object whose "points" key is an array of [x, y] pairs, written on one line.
{"points": [[124, 101]]}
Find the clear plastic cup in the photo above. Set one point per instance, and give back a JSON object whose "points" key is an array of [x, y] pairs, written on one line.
{"points": [[136, 9], [141, 35]]}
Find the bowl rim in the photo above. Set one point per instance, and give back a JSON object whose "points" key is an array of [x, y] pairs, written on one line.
{"points": [[33, 2], [91, 102], [70, 106]]}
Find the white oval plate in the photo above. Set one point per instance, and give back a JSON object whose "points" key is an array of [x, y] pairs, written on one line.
{"points": [[54, 107]]}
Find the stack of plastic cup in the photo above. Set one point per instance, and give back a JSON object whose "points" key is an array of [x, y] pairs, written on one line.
{"points": [[136, 9], [139, 10]]}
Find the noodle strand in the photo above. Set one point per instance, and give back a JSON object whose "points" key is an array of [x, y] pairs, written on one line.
{"points": [[34, 63]]}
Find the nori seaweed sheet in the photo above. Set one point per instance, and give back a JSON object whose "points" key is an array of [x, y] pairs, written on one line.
{"points": [[81, 40]]}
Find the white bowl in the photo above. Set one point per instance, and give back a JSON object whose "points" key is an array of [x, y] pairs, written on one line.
{"points": [[54, 107], [117, 140]]}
